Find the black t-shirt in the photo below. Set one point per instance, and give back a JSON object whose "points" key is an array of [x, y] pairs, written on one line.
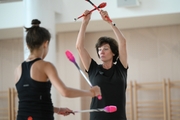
{"points": [[34, 97], [113, 87]]}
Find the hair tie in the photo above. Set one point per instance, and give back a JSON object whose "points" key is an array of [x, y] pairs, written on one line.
{"points": [[36, 25]]}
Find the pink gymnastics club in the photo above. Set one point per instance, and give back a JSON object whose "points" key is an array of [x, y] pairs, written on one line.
{"points": [[72, 59], [107, 109]]}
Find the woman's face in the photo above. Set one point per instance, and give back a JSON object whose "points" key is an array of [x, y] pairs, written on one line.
{"points": [[105, 53]]}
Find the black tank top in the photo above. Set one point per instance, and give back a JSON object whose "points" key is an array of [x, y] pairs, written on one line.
{"points": [[34, 97], [113, 83]]}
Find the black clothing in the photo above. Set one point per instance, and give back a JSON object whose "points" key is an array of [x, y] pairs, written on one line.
{"points": [[34, 97], [113, 84]]}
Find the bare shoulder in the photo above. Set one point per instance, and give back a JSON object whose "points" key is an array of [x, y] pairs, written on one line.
{"points": [[47, 65], [17, 72], [18, 69], [50, 70], [43, 63]]}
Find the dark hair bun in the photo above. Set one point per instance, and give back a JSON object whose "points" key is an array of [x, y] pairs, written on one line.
{"points": [[35, 22]]}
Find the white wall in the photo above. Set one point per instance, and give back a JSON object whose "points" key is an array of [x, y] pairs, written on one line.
{"points": [[12, 13], [147, 7]]}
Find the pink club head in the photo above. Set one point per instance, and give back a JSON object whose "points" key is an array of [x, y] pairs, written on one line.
{"points": [[70, 56], [110, 109]]}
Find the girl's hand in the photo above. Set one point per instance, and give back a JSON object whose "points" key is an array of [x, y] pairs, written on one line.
{"points": [[65, 111], [96, 91]]}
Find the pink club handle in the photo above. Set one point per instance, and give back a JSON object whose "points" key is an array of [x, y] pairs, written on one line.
{"points": [[72, 59]]}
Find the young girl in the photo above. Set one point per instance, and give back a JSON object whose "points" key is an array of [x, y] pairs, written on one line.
{"points": [[34, 78]]}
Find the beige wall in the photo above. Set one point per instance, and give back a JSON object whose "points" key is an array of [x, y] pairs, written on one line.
{"points": [[153, 54], [11, 55], [67, 72]]}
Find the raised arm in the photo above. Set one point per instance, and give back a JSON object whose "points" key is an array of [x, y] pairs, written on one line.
{"points": [[84, 55], [120, 39]]}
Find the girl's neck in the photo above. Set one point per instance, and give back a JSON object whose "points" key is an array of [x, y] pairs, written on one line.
{"points": [[34, 55]]}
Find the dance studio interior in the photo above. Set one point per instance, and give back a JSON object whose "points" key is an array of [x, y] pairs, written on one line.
{"points": [[152, 32]]}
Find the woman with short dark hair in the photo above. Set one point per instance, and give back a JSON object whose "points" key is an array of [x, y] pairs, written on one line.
{"points": [[111, 75]]}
